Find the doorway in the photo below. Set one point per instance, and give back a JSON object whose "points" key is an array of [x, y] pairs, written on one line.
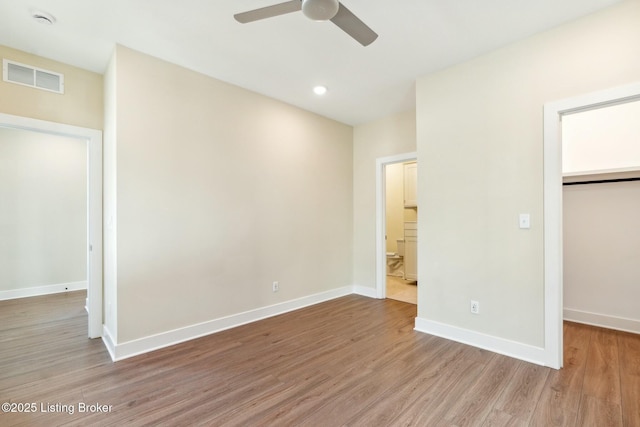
{"points": [[553, 197], [93, 139], [601, 206], [384, 265]]}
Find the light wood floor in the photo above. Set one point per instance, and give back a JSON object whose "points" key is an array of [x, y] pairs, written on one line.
{"points": [[352, 361], [402, 290]]}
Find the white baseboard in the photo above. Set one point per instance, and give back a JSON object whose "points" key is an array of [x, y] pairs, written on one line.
{"points": [[602, 320], [498, 345], [521, 351], [109, 342], [176, 336], [365, 291], [43, 290]]}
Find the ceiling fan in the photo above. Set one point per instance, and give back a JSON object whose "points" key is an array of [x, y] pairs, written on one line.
{"points": [[316, 10]]}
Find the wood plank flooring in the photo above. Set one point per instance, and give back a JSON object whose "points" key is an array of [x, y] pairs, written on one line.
{"points": [[353, 361]]}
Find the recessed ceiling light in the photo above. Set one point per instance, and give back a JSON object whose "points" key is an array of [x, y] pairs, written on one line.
{"points": [[320, 90], [43, 17]]}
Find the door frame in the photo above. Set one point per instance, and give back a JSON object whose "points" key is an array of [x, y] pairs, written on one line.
{"points": [[93, 138], [553, 286], [381, 216]]}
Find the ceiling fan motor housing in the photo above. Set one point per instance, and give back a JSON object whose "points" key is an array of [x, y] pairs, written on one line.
{"points": [[320, 10]]}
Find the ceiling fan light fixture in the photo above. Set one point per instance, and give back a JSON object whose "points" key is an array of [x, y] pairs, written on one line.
{"points": [[320, 10]]}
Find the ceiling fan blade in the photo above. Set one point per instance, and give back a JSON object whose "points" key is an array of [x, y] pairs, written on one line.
{"points": [[269, 11], [352, 25]]}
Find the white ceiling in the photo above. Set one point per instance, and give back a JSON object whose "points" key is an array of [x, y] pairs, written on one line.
{"points": [[285, 56]]}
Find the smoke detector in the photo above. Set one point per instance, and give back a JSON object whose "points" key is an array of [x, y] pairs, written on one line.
{"points": [[43, 17]]}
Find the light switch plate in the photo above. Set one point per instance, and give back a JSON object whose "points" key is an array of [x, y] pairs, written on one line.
{"points": [[525, 221]]}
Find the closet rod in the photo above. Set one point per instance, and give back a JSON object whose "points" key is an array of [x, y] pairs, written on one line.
{"points": [[602, 181]]}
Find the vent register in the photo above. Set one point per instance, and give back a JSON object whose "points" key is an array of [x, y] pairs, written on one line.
{"points": [[26, 75]]}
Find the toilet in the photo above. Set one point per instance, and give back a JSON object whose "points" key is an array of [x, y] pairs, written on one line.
{"points": [[395, 260]]}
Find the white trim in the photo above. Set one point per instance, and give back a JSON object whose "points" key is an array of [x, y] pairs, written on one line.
{"points": [[42, 290], [627, 170], [381, 250], [603, 320], [176, 336], [552, 211], [94, 234], [94, 204], [365, 291], [498, 345], [109, 342], [553, 113]]}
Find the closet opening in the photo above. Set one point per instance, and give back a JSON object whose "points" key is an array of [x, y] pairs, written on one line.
{"points": [[601, 207], [556, 116]]}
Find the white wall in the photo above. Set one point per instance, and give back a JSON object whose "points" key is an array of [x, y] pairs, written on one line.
{"points": [[601, 246], [43, 212], [220, 191], [386, 137], [480, 145], [600, 140]]}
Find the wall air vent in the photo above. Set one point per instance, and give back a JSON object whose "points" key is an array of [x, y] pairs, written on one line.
{"points": [[26, 75]]}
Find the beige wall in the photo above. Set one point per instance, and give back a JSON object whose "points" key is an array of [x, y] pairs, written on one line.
{"points": [[43, 209], [386, 137], [480, 144], [80, 105], [395, 212], [601, 247], [394, 205], [220, 192]]}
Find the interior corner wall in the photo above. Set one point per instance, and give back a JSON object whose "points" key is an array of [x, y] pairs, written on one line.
{"points": [[480, 144], [220, 192], [386, 137], [80, 104]]}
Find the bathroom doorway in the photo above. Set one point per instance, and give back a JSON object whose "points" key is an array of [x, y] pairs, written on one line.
{"points": [[397, 228]]}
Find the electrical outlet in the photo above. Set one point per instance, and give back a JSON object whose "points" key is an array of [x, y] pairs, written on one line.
{"points": [[475, 307], [275, 287]]}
